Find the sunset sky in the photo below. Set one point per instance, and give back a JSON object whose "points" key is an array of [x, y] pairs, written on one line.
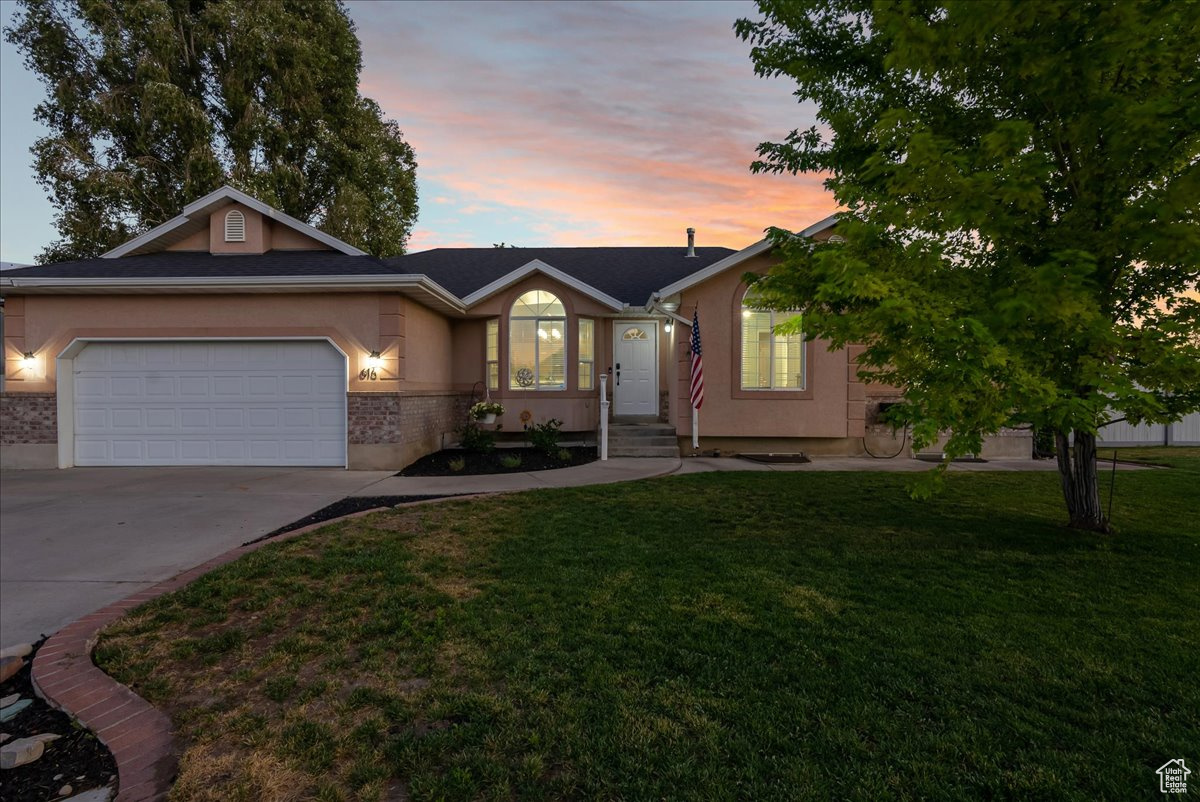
{"points": [[538, 124]]}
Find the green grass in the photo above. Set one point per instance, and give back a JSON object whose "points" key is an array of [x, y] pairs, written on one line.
{"points": [[1177, 456], [719, 636]]}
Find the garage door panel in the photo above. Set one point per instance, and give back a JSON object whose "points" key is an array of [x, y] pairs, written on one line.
{"points": [[128, 418], [87, 420], [162, 386], [267, 418], [193, 387], [162, 418], [229, 418], [91, 452], [265, 450], [162, 451], [263, 386], [196, 403]]}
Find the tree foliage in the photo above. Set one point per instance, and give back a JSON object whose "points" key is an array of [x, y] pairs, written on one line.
{"points": [[154, 103], [1022, 186]]}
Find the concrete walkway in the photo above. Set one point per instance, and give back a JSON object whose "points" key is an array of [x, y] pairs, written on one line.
{"points": [[624, 469]]}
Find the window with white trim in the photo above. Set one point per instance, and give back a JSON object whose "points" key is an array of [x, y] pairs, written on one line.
{"points": [[235, 226], [771, 360], [537, 342], [492, 354], [587, 354]]}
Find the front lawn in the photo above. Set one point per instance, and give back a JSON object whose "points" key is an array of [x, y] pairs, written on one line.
{"points": [[744, 636]]}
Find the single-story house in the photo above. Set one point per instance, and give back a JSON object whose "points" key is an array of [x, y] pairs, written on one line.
{"points": [[234, 334]]}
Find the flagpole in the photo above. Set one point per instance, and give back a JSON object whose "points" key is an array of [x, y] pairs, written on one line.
{"points": [[695, 409]]}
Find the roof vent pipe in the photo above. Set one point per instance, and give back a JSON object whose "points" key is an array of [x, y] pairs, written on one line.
{"points": [[691, 241]]}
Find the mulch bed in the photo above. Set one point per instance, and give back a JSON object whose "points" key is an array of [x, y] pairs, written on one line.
{"points": [[477, 463], [77, 759], [346, 506]]}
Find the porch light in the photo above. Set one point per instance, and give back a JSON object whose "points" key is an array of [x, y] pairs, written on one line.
{"points": [[28, 360], [374, 360], [668, 326]]}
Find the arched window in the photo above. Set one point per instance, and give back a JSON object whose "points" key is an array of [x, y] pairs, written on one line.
{"points": [[770, 360], [537, 342], [235, 227]]}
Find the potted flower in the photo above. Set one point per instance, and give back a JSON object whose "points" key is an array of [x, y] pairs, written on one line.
{"points": [[486, 411]]}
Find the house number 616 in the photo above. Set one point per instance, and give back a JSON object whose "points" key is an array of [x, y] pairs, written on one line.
{"points": [[367, 373]]}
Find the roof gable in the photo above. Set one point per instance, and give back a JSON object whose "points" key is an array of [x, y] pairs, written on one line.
{"points": [[538, 266], [735, 259], [195, 218]]}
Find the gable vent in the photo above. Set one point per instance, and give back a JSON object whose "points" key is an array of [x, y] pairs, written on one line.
{"points": [[235, 227]]}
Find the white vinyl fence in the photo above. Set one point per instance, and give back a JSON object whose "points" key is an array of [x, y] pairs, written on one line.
{"points": [[1184, 432]]}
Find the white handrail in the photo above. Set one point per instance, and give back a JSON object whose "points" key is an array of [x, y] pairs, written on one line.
{"points": [[603, 416]]}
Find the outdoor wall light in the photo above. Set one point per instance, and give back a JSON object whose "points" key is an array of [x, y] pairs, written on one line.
{"points": [[374, 360], [28, 360], [669, 325]]}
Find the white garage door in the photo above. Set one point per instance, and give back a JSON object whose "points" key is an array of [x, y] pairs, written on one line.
{"points": [[210, 403]]}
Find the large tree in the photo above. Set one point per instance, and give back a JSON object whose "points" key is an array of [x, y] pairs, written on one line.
{"points": [[154, 103], [1022, 184]]}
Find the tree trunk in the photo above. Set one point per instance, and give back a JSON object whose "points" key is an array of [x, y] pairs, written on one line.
{"points": [[1080, 484]]}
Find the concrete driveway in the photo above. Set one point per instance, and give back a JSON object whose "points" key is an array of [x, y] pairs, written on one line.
{"points": [[72, 541]]}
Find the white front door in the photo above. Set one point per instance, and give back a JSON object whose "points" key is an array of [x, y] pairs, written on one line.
{"points": [[210, 403], [635, 367]]}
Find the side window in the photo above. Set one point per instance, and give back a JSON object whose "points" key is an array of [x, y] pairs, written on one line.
{"points": [[492, 354], [770, 360], [587, 354]]}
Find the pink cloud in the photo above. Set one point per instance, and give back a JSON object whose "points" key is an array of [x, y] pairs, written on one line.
{"points": [[599, 123]]}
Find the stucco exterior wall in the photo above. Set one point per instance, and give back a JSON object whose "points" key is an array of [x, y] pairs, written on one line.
{"points": [[577, 409], [830, 406], [258, 236], [429, 363], [50, 322], [425, 404]]}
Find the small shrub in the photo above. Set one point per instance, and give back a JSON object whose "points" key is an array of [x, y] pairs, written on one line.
{"points": [[564, 455], [457, 464], [544, 436], [511, 461], [472, 438]]}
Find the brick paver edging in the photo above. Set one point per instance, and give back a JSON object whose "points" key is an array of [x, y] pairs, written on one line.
{"points": [[138, 734]]}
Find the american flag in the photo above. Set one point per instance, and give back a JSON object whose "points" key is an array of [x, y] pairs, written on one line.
{"points": [[697, 364]]}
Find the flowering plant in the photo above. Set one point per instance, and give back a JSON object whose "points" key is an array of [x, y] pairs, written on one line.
{"points": [[485, 408]]}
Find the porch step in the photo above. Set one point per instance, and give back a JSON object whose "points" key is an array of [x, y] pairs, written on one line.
{"points": [[643, 451], [642, 440]]}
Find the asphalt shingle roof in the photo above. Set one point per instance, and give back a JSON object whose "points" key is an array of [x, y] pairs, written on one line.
{"points": [[627, 274], [191, 264]]}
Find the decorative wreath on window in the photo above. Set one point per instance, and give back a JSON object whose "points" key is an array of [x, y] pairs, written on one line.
{"points": [[525, 377]]}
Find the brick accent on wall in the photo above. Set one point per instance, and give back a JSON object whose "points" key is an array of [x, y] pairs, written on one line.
{"points": [[387, 418], [28, 418]]}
